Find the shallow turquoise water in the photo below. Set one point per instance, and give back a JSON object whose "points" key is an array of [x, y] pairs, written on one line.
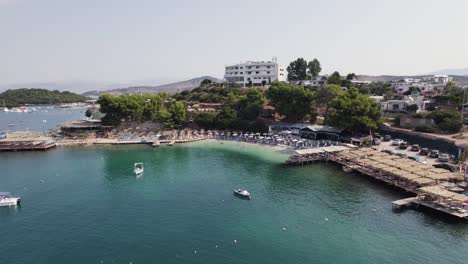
{"points": [[83, 205]]}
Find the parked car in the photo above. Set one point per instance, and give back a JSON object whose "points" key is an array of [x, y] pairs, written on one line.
{"points": [[449, 167], [402, 155], [375, 141], [377, 135], [415, 148], [387, 138], [424, 151], [418, 159], [396, 142], [403, 145], [465, 121], [444, 157], [388, 151], [434, 154]]}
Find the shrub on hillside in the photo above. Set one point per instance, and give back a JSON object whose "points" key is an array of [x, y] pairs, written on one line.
{"points": [[448, 121], [451, 125], [424, 128], [419, 115]]}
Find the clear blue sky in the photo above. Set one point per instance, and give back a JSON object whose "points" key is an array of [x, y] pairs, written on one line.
{"points": [[118, 40]]}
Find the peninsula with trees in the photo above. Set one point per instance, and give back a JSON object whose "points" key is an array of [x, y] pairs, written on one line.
{"points": [[34, 96]]}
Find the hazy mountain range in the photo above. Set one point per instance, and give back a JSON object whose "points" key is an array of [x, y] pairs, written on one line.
{"points": [[170, 87], [79, 86], [458, 72], [388, 78]]}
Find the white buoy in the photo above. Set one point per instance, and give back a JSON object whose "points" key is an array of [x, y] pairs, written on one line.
{"points": [[216, 246], [195, 251], [284, 228], [326, 219], [235, 241]]}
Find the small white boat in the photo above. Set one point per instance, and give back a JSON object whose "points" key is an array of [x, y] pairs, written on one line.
{"points": [[171, 143], [243, 193], [138, 168], [156, 143], [7, 200]]}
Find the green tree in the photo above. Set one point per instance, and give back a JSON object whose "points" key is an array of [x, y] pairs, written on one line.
{"points": [[351, 76], [292, 101], [205, 120], [205, 82], [166, 118], [314, 68], [89, 112], [178, 113], [297, 70], [251, 104], [355, 111], [335, 78], [325, 94], [448, 121]]}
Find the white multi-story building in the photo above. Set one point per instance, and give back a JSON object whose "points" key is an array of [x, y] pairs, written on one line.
{"points": [[426, 85], [255, 72]]}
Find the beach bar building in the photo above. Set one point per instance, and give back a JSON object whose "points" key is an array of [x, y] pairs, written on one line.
{"points": [[84, 128], [318, 132]]}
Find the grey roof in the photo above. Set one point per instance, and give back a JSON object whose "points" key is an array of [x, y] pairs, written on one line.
{"points": [[299, 125], [323, 129]]}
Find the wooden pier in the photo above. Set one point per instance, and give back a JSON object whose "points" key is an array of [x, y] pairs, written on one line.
{"points": [[422, 180], [26, 145], [305, 156], [404, 203]]}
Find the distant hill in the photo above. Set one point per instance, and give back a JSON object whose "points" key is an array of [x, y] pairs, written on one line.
{"points": [[388, 78], [17, 97], [81, 86], [170, 88], [459, 72]]}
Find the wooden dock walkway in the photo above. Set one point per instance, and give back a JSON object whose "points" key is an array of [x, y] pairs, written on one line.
{"points": [[26, 145], [403, 203], [422, 180]]}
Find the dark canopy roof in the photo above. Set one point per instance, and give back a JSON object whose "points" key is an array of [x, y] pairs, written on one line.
{"points": [[323, 129]]}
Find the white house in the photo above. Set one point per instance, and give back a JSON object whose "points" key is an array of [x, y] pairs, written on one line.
{"points": [[441, 79], [255, 72], [400, 105]]}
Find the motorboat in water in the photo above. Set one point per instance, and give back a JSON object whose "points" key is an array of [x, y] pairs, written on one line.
{"points": [[7, 200], [243, 193], [138, 169]]}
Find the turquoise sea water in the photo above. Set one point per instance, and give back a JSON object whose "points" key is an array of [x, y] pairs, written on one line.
{"points": [[83, 205]]}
